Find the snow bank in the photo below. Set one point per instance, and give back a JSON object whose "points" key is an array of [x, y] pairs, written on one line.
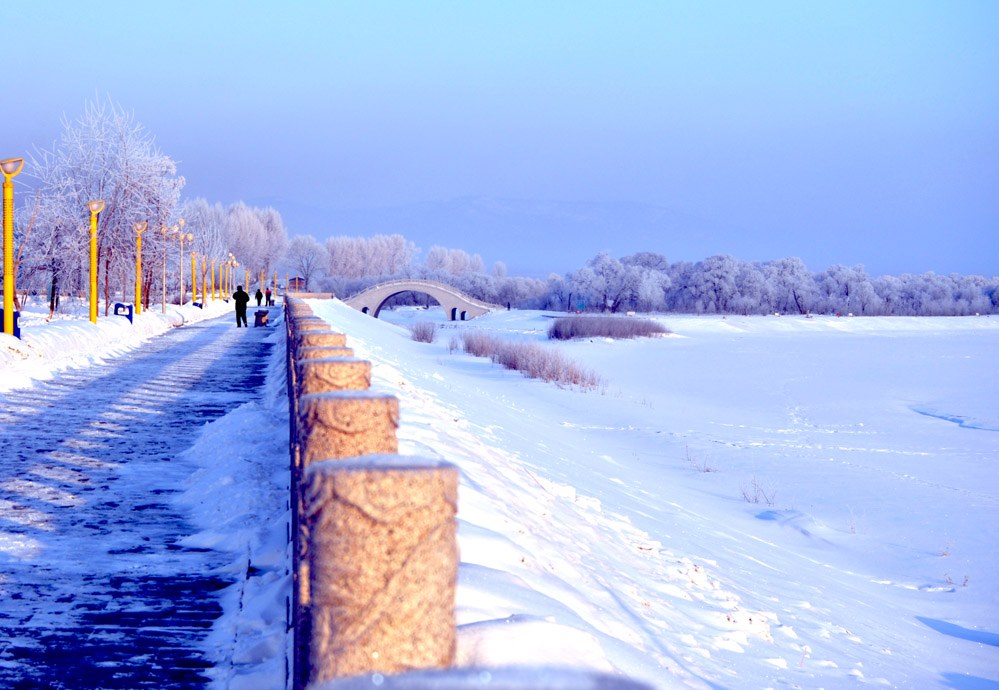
{"points": [[65, 342]]}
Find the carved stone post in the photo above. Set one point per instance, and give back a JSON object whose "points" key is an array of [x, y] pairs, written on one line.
{"points": [[383, 565], [314, 338], [331, 374], [321, 352], [332, 425]]}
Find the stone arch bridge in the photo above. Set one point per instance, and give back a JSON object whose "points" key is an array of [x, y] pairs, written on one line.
{"points": [[457, 305]]}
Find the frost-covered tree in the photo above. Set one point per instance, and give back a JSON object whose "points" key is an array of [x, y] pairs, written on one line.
{"points": [[358, 257], [306, 257], [792, 285], [103, 155], [437, 258]]}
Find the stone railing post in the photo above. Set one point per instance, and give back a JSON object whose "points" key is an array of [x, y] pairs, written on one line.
{"points": [[333, 425], [374, 533], [383, 564]]}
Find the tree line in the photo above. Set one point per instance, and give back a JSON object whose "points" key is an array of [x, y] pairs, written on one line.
{"points": [[646, 282], [106, 155]]}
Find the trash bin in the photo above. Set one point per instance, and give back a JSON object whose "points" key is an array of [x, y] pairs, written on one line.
{"points": [[17, 326], [125, 310], [260, 318]]}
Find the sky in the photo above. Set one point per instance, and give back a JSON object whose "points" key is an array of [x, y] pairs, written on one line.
{"points": [[838, 132]]}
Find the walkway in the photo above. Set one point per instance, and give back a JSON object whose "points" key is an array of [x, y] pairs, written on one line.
{"points": [[96, 589]]}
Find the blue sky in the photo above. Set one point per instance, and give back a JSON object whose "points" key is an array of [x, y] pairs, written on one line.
{"points": [[840, 132]]}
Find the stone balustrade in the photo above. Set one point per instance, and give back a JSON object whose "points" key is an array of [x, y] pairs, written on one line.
{"points": [[374, 533]]}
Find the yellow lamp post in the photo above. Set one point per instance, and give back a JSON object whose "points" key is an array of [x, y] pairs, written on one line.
{"points": [[213, 279], [165, 231], [95, 208], [189, 237], [204, 269], [261, 280], [10, 167], [176, 233], [139, 229], [194, 276]]}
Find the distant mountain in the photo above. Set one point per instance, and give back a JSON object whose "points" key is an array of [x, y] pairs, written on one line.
{"points": [[530, 237]]}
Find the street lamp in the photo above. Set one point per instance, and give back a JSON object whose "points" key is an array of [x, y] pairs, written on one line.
{"points": [[194, 275], [95, 208], [139, 229], [10, 167], [165, 231], [213, 278], [204, 270], [182, 237]]}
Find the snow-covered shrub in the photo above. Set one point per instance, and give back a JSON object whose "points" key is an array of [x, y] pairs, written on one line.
{"points": [[531, 359], [423, 332], [570, 327]]}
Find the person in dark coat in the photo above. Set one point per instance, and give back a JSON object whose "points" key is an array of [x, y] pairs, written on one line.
{"points": [[259, 296], [267, 294], [241, 299]]}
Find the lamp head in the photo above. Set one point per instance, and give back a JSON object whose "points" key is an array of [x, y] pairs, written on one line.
{"points": [[95, 206], [11, 167], [140, 227], [181, 222], [190, 236]]}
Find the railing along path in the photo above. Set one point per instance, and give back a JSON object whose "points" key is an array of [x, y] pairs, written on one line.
{"points": [[375, 553]]}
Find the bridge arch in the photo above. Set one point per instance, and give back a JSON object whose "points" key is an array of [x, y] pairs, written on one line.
{"points": [[457, 305]]}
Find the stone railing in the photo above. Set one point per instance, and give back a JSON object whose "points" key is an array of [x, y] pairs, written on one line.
{"points": [[375, 554]]}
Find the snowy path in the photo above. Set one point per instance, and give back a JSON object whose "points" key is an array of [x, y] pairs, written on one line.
{"points": [[95, 588]]}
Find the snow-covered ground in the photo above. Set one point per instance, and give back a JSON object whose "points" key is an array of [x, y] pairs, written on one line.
{"points": [[591, 533], [69, 340]]}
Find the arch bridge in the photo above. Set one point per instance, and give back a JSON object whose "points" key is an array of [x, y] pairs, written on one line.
{"points": [[457, 305]]}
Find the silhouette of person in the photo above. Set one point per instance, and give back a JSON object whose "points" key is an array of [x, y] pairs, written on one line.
{"points": [[259, 296], [268, 296], [241, 299]]}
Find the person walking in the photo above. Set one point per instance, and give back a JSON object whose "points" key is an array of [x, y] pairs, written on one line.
{"points": [[259, 296], [241, 299], [270, 301]]}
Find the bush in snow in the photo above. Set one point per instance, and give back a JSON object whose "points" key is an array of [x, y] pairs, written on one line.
{"points": [[531, 359], [423, 332], [604, 327]]}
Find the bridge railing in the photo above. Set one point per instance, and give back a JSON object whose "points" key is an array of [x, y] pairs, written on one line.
{"points": [[374, 537]]}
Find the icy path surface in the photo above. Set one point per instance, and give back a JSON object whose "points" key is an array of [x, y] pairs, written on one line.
{"points": [[96, 586]]}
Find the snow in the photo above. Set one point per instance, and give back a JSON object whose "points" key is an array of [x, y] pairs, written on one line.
{"points": [[47, 347], [588, 537], [591, 534]]}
